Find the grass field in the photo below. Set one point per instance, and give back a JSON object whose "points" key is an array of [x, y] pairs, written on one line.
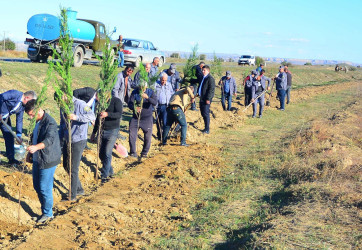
{"points": [[289, 180]]}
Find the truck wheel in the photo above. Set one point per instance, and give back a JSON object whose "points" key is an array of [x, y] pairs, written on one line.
{"points": [[138, 62], [78, 57], [160, 63]]}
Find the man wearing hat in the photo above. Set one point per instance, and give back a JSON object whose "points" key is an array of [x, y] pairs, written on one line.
{"points": [[173, 76], [228, 89]]}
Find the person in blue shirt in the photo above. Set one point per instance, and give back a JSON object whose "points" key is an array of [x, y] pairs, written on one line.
{"points": [[12, 102], [228, 89], [154, 66], [164, 91], [173, 77], [260, 68]]}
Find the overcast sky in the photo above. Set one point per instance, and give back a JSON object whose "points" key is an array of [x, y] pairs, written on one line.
{"points": [[305, 29]]}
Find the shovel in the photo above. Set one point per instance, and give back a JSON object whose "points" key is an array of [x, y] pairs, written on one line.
{"points": [[270, 94], [262, 93]]}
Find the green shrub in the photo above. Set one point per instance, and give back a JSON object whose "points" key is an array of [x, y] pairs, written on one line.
{"points": [[352, 68], [175, 55], [259, 60], [9, 45], [202, 57], [285, 63], [308, 64]]}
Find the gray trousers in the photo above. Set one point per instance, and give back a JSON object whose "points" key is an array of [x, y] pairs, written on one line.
{"points": [[146, 126]]}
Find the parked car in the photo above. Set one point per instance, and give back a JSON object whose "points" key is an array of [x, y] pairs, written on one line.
{"points": [[247, 59], [139, 51]]}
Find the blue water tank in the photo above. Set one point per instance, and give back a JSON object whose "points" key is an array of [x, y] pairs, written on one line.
{"points": [[44, 27], [47, 27]]}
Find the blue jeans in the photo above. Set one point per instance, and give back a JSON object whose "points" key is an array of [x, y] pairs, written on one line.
{"points": [[175, 114], [260, 100], [109, 138], [228, 97], [120, 58], [281, 94], [162, 119], [9, 140], [288, 93], [43, 180]]}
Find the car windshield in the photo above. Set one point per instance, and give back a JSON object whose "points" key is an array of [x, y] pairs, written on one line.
{"points": [[131, 43], [245, 57]]}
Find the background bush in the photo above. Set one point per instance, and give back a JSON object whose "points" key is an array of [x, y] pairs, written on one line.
{"points": [[9, 44]]}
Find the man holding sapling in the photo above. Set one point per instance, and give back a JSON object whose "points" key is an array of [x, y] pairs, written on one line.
{"points": [[80, 116], [142, 101], [109, 132], [12, 102], [164, 92], [196, 82], [137, 77], [44, 153], [122, 87], [176, 112], [281, 86]]}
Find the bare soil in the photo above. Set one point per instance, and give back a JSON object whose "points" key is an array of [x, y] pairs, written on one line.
{"points": [[146, 200]]}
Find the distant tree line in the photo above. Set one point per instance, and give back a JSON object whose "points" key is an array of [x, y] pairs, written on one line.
{"points": [[9, 44]]}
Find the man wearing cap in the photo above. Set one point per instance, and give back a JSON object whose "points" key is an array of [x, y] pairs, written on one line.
{"points": [[228, 89], [176, 112], [173, 77], [154, 66], [259, 86], [164, 92], [281, 86], [248, 83], [13, 102]]}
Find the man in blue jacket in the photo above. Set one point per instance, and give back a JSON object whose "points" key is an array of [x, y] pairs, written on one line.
{"points": [[12, 102], [228, 89], [281, 86], [45, 155], [143, 113]]}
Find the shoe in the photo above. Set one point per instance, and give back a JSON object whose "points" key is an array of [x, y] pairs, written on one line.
{"points": [[81, 193], [134, 155], [164, 143], [44, 218], [195, 109], [143, 156], [253, 116], [260, 116], [104, 180], [206, 131], [14, 162], [280, 109], [184, 145]]}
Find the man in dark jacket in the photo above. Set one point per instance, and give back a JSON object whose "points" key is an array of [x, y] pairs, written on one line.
{"points": [[259, 86], [289, 82], [228, 89], [206, 92], [144, 113], [109, 131], [122, 87], [281, 86], [248, 84], [199, 76], [12, 102], [45, 151]]}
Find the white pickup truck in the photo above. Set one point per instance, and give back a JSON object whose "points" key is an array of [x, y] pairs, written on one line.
{"points": [[247, 59]]}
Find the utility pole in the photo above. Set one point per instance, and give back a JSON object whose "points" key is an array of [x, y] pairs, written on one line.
{"points": [[4, 41]]}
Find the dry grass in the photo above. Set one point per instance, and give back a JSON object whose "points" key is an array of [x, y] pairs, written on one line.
{"points": [[13, 54]]}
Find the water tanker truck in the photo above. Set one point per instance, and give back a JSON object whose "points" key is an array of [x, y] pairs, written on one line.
{"points": [[89, 37]]}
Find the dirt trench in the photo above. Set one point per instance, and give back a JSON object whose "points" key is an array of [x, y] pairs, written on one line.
{"points": [[149, 199]]}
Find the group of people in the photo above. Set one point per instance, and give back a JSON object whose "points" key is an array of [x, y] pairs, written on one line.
{"points": [[166, 100]]}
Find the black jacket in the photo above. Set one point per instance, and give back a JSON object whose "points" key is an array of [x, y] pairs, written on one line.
{"points": [[48, 134], [148, 104], [113, 120], [208, 89]]}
